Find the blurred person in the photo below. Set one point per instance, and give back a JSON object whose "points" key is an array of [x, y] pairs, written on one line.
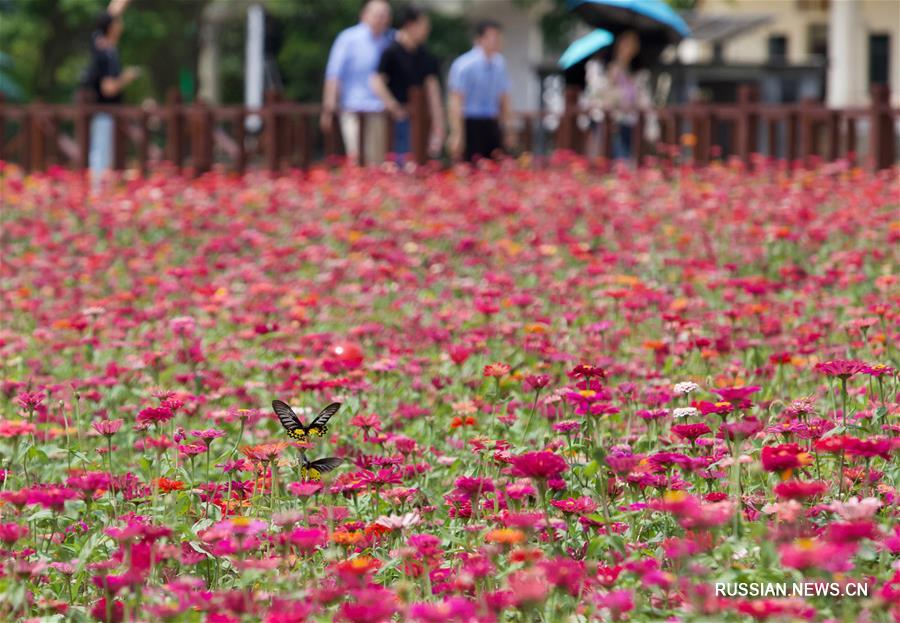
{"points": [[352, 61], [479, 97], [623, 90], [407, 63], [107, 81]]}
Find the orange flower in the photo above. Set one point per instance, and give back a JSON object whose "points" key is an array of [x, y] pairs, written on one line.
{"points": [[165, 485], [348, 537], [264, 452], [458, 421], [505, 536], [524, 554]]}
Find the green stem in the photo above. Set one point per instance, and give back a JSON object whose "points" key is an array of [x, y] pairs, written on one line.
{"points": [[531, 414], [112, 488]]}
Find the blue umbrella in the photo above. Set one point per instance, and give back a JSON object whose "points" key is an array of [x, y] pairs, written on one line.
{"points": [[585, 46], [654, 20]]}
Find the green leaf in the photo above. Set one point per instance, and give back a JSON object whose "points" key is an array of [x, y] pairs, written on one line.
{"points": [[837, 430]]}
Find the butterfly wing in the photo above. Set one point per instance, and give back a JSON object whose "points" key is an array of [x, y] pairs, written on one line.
{"points": [[317, 426], [325, 465], [288, 418]]}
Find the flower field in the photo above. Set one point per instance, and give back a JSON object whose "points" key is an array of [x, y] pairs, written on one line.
{"points": [[564, 396]]}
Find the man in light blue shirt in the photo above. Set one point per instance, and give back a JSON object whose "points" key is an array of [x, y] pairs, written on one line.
{"points": [[479, 96], [352, 61]]}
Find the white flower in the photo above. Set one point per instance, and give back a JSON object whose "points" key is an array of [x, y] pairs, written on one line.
{"points": [[684, 412], [685, 388], [399, 522], [855, 508]]}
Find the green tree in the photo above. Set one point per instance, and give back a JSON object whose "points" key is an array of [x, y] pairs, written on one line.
{"points": [[49, 42]]}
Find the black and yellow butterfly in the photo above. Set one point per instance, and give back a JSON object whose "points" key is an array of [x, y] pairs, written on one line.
{"points": [[313, 470], [296, 429]]}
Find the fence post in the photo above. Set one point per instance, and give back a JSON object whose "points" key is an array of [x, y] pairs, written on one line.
{"points": [[174, 129], [570, 118], [748, 123], [637, 139], [527, 141], [418, 118], [270, 132], [807, 130], [240, 137], [703, 130], [792, 142], [143, 146], [304, 137], [851, 147], [881, 124], [120, 132], [82, 124], [834, 135], [37, 139], [51, 136], [201, 137]]}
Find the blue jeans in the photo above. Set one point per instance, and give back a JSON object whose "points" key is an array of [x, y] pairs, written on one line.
{"points": [[402, 136], [622, 141], [101, 151]]}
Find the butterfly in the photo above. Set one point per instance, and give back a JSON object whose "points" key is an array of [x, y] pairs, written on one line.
{"points": [[296, 429], [313, 470]]}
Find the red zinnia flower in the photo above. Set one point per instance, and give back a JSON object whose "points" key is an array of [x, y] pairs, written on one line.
{"points": [[800, 490], [784, 458]]}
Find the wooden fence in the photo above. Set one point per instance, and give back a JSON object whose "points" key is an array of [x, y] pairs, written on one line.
{"points": [[196, 137]]}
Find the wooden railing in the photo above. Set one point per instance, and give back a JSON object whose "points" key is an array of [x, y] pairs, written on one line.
{"points": [[196, 137], [796, 133]]}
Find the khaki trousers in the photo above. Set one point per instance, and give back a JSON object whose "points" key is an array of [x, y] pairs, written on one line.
{"points": [[375, 136]]}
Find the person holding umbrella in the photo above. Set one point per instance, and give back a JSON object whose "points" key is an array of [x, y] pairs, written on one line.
{"points": [[643, 29], [625, 93]]}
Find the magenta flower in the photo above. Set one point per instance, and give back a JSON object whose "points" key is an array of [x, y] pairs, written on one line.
{"points": [[541, 465]]}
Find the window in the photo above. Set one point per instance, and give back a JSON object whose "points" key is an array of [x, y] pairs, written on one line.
{"points": [[879, 58], [778, 49], [817, 41]]}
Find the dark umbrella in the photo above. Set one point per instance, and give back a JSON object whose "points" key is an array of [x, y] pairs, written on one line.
{"points": [[655, 21]]}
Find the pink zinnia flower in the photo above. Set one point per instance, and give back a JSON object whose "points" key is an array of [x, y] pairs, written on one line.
{"points": [[541, 465], [582, 506], [841, 368], [107, 428], [304, 489]]}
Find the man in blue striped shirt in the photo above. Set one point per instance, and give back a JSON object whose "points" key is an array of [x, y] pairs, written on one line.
{"points": [[479, 96], [351, 63]]}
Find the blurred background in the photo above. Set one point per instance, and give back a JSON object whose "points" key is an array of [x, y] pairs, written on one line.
{"points": [[792, 49], [791, 79]]}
